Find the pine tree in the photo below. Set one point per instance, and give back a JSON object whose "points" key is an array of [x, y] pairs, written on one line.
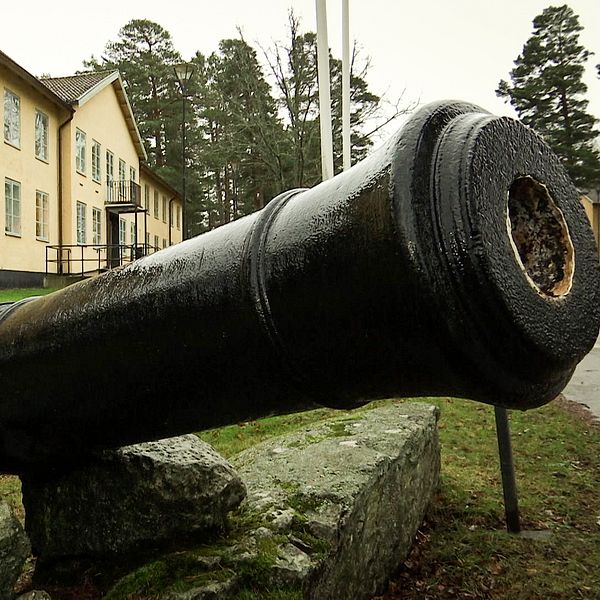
{"points": [[239, 117], [243, 145], [144, 54], [547, 91]]}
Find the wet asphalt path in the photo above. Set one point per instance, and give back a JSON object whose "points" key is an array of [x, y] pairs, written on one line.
{"points": [[584, 386]]}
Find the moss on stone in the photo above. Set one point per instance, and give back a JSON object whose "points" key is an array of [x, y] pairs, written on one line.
{"points": [[314, 546], [176, 572], [279, 594], [303, 503]]}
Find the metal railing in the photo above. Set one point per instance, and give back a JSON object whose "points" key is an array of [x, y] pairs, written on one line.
{"points": [[82, 259], [123, 191]]}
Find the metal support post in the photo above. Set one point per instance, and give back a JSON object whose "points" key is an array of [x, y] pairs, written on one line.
{"points": [[507, 467]]}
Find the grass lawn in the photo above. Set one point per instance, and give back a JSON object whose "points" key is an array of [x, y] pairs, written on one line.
{"points": [[12, 295], [462, 550]]}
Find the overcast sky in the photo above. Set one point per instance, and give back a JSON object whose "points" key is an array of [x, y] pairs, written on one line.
{"points": [[432, 49]]}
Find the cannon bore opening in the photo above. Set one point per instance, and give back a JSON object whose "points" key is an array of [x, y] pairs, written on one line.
{"points": [[540, 237]]}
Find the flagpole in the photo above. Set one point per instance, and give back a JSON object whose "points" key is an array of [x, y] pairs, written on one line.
{"points": [[324, 91], [346, 142]]}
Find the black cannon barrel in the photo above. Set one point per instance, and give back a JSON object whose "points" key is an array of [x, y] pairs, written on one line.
{"points": [[456, 260]]}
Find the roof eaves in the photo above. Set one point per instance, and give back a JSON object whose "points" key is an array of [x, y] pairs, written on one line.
{"points": [[144, 168], [129, 117], [32, 80], [112, 76]]}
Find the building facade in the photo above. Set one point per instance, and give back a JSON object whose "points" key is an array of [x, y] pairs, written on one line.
{"points": [[78, 195], [591, 204]]}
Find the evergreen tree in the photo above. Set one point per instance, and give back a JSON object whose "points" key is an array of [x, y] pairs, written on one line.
{"points": [[239, 118], [547, 91], [243, 145], [145, 55]]}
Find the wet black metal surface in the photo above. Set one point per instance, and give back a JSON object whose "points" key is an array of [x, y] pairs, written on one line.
{"points": [[396, 278]]}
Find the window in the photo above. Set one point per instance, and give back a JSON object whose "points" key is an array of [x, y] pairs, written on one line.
{"points": [[132, 236], [122, 231], [80, 143], [164, 243], [164, 209], [110, 166], [110, 174], [155, 204], [155, 243], [146, 196], [132, 174], [12, 207], [122, 180], [147, 240], [41, 135], [96, 226], [81, 223], [41, 215], [96, 174], [12, 118], [178, 217]]}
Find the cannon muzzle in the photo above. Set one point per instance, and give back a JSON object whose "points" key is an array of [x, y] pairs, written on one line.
{"points": [[456, 260]]}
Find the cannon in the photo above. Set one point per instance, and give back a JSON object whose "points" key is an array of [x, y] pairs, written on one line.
{"points": [[455, 260]]}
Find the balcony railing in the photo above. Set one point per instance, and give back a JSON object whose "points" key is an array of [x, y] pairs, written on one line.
{"points": [[82, 259], [123, 191]]}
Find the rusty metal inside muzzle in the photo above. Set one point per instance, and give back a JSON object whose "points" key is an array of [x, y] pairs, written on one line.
{"points": [[540, 237]]}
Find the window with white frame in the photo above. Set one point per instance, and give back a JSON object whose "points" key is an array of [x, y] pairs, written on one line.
{"points": [[41, 135], [110, 166], [132, 174], [146, 196], [41, 215], [147, 241], [96, 226], [81, 223], [132, 235], [12, 118], [164, 209], [155, 204], [96, 153], [122, 181], [164, 243], [122, 231], [80, 150], [110, 174], [178, 217], [155, 243], [12, 207]]}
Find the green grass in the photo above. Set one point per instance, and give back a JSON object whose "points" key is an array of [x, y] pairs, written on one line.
{"points": [[12, 295], [176, 572], [462, 551]]}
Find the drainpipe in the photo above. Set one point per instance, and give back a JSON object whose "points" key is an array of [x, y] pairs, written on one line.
{"points": [[171, 217], [60, 189]]}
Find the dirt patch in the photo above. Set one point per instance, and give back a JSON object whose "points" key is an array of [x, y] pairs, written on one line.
{"points": [[578, 410]]}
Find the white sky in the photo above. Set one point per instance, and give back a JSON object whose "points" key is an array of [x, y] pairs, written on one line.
{"points": [[433, 49]]}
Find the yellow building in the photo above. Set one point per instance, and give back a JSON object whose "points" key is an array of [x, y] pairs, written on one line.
{"points": [[591, 204], [78, 196], [162, 206]]}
